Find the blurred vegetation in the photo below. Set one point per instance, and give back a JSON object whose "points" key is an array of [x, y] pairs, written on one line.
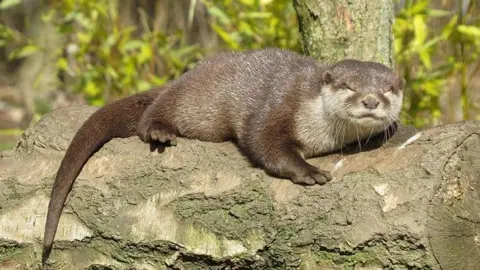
{"points": [[107, 55], [429, 58]]}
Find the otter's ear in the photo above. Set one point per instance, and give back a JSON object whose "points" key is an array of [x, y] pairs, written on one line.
{"points": [[327, 77], [402, 83]]}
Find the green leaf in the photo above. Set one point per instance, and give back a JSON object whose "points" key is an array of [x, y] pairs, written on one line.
{"points": [[256, 15], [9, 3], [49, 15], [158, 81], [448, 29], [425, 58], [62, 63], [128, 68], [143, 85], [432, 42], [245, 28], [145, 54], [70, 16], [24, 51], [248, 2], [419, 7], [469, 30], [265, 2], [97, 102], [420, 29], [438, 13], [398, 45], [111, 40], [222, 16], [226, 37], [181, 52], [132, 45], [91, 89], [111, 71], [125, 35], [84, 37], [85, 22]]}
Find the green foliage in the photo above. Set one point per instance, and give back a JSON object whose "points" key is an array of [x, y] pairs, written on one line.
{"points": [[105, 58], [5, 4], [6, 35], [416, 46], [20, 46], [254, 24]]}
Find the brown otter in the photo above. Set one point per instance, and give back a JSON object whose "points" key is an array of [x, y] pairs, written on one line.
{"points": [[280, 107]]}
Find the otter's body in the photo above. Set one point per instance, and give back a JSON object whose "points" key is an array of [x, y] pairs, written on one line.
{"points": [[224, 96], [278, 106]]}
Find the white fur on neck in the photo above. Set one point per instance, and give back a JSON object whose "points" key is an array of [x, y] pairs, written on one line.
{"points": [[321, 133]]}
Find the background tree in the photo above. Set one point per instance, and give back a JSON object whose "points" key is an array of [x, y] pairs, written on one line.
{"points": [[334, 30]]}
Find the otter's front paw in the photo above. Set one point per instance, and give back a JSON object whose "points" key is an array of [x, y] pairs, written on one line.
{"points": [[157, 133], [312, 176]]}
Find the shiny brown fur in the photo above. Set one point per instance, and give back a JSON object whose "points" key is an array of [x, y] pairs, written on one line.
{"points": [[278, 106]]}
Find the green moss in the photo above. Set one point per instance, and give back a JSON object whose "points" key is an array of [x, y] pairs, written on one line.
{"points": [[203, 242], [255, 240], [110, 253], [342, 261], [9, 249], [11, 193], [231, 215]]}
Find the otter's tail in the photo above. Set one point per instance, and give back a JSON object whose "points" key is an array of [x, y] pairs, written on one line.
{"points": [[116, 120]]}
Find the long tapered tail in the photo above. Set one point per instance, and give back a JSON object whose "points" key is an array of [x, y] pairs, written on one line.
{"points": [[116, 120]]}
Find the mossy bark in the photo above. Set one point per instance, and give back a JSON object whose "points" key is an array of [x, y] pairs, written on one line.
{"points": [[410, 204], [332, 30]]}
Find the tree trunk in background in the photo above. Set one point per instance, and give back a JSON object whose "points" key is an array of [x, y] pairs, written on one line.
{"points": [[36, 75], [332, 30]]}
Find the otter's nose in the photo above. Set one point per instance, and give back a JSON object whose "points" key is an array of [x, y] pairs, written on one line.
{"points": [[370, 102]]}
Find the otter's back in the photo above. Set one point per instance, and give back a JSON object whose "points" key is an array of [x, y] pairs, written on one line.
{"points": [[231, 87]]}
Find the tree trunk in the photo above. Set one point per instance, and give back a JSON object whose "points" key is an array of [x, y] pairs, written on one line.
{"points": [[332, 30], [37, 74], [410, 204]]}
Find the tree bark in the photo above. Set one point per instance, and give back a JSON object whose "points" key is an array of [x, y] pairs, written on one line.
{"points": [[410, 204], [333, 30]]}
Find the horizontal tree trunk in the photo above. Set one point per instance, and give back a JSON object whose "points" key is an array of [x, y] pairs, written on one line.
{"points": [[410, 204]]}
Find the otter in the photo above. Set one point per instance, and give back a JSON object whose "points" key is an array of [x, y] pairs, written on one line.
{"points": [[278, 106]]}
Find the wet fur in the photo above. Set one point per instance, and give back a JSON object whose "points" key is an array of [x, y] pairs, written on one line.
{"points": [[278, 106]]}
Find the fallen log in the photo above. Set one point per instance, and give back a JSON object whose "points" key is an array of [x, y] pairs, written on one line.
{"points": [[412, 203]]}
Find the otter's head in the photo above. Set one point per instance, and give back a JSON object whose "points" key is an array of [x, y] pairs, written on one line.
{"points": [[364, 93]]}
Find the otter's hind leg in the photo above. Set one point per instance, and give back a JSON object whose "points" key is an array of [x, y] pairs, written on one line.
{"points": [[153, 127], [158, 132]]}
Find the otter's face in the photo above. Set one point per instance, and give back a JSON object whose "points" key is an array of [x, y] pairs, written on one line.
{"points": [[364, 93]]}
